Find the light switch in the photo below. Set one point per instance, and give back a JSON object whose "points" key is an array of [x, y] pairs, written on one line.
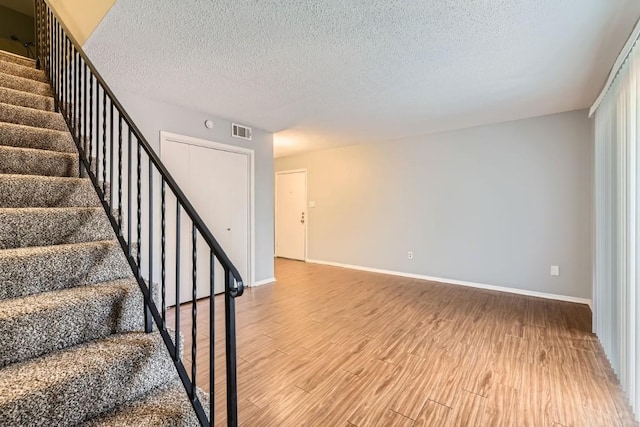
{"points": [[555, 270], [312, 204]]}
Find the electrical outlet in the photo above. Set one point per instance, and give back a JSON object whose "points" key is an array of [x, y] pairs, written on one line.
{"points": [[555, 270], [410, 255]]}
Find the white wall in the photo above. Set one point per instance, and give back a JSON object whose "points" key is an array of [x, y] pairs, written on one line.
{"points": [[495, 205]]}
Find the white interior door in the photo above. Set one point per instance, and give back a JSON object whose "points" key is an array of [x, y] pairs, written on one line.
{"points": [[217, 183], [291, 214]]}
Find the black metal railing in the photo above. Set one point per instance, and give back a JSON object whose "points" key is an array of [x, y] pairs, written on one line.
{"points": [[147, 210]]}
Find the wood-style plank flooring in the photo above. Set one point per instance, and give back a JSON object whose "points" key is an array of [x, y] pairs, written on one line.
{"points": [[327, 346]]}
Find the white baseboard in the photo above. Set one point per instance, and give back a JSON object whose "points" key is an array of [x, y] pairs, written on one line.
{"points": [[458, 282], [263, 282]]}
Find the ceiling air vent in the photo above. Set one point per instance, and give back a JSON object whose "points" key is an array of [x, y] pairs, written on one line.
{"points": [[240, 131]]}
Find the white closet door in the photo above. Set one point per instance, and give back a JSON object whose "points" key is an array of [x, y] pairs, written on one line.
{"points": [[216, 182], [219, 190]]}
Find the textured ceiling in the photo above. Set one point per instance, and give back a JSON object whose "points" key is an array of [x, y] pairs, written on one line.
{"points": [[325, 73]]}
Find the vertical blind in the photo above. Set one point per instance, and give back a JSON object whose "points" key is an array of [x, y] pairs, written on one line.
{"points": [[616, 294]]}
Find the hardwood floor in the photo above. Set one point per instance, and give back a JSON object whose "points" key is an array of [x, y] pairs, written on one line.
{"points": [[326, 346]]}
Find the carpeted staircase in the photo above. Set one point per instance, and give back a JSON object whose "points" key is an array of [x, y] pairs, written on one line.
{"points": [[72, 346]]}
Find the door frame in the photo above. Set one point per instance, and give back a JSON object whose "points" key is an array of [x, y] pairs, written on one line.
{"points": [[306, 209], [251, 226]]}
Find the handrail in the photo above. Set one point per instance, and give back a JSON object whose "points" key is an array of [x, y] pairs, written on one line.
{"points": [[72, 77]]}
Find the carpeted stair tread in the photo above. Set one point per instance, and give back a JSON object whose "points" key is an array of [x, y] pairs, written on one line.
{"points": [[71, 311], [17, 59], [23, 191], [25, 85], [37, 324], [26, 99], [167, 406], [25, 227], [25, 71], [70, 386], [31, 161], [21, 136], [27, 271], [32, 117]]}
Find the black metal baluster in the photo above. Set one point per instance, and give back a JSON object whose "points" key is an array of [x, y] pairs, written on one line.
{"points": [[177, 307], [104, 145], [78, 84], [60, 76], [79, 108], [212, 354], [67, 80], [62, 53], [230, 341], [60, 72], [59, 47], [67, 92], [45, 36], [85, 76], [150, 256], [58, 80], [129, 193], [119, 173], [111, 160], [50, 42], [138, 211], [53, 72], [163, 223], [147, 311], [72, 92], [64, 73], [139, 216], [91, 124], [75, 94], [38, 24], [194, 307]]}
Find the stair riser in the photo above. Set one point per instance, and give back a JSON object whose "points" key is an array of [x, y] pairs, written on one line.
{"points": [[37, 162], [24, 99], [170, 401], [31, 117], [117, 374], [13, 135], [26, 272], [24, 85], [17, 59], [75, 319], [18, 191], [27, 72], [21, 228]]}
